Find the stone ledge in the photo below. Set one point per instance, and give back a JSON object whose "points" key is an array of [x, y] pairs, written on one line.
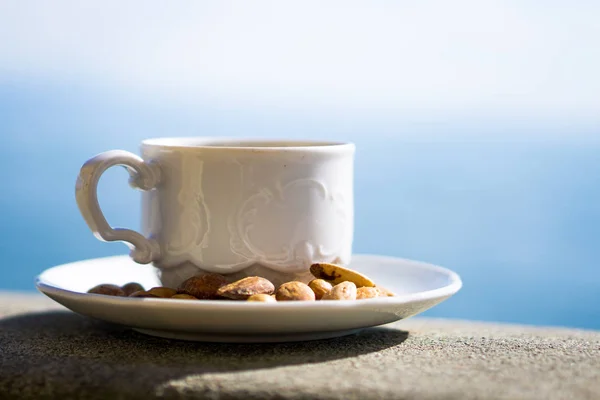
{"points": [[52, 353]]}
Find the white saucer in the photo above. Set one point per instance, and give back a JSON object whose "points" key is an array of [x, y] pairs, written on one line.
{"points": [[418, 286]]}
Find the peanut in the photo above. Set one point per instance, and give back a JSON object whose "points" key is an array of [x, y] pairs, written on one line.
{"points": [[320, 287], [265, 298], [342, 291], [295, 291], [367, 293]]}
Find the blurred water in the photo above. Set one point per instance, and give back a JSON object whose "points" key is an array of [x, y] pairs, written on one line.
{"points": [[517, 215]]}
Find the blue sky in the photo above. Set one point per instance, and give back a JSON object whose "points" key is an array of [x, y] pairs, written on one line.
{"points": [[524, 58]]}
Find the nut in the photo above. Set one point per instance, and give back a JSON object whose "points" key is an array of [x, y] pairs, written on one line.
{"points": [[244, 288], [132, 287], [342, 291], [383, 292], [203, 286], [367, 293], [142, 293], [107, 289], [320, 287], [265, 298], [161, 291], [337, 274], [295, 291], [183, 296]]}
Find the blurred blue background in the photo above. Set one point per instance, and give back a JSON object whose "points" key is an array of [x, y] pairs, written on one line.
{"points": [[477, 127]]}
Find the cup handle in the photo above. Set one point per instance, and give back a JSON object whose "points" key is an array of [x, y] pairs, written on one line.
{"points": [[143, 175]]}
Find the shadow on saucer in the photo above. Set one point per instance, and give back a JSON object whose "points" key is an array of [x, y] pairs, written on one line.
{"points": [[52, 348]]}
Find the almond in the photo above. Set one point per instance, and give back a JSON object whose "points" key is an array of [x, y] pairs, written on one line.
{"points": [[143, 293], [244, 288], [163, 292], [107, 289], [202, 286], [183, 296], [132, 287]]}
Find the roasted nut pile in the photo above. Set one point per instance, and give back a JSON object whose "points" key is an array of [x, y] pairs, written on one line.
{"points": [[332, 282]]}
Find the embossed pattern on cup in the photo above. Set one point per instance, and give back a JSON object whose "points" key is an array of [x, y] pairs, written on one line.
{"points": [[224, 209]]}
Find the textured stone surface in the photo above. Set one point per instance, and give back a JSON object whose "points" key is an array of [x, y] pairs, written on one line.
{"points": [[47, 352]]}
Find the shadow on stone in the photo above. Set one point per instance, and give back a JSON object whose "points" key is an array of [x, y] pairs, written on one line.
{"points": [[63, 353]]}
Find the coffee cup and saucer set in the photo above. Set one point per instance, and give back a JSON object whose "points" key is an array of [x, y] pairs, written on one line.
{"points": [[239, 208]]}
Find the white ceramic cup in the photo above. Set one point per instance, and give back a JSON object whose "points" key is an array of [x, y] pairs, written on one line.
{"points": [[225, 205]]}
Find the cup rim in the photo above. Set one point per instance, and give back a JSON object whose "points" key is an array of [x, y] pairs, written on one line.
{"points": [[215, 143]]}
